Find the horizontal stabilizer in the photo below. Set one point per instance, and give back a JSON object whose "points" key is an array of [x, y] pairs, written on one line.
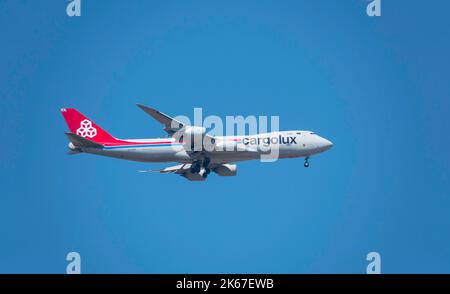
{"points": [[73, 152], [79, 141]]}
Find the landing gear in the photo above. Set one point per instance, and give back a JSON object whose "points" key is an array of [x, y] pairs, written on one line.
{"points": [[306, 164], [206, 162], [206, 173], [196, 167], [205, 165]]}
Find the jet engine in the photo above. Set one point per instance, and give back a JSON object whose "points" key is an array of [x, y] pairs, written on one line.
{"points": [[194, 131], [193, 136], [226, 170]]}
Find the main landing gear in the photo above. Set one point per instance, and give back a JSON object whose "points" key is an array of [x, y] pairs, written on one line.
{"points": [[201, 166], [306, 164], [195, 167], [205, 164]]}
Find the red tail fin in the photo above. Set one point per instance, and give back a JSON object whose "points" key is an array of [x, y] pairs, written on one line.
{"points": [[84, 127]]}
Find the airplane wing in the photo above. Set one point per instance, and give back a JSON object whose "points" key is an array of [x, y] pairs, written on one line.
{"points": [[171, 125], [184, 170], [181, 169], [177, 169]]}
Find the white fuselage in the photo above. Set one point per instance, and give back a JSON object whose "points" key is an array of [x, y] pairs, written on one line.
{"points": [[289, 144]]}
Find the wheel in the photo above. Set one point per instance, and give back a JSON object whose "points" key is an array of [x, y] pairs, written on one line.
{"points": [[306, 164], [206, 162], [195, 168]]}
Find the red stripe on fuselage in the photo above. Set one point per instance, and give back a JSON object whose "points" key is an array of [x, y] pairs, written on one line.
{"points": [[128, 143]]}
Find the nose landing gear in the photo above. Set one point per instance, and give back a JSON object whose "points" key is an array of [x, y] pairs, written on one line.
{"points": [[306, 164]]}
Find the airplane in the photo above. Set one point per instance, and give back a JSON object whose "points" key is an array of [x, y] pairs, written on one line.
{"points": [[196, 161]]}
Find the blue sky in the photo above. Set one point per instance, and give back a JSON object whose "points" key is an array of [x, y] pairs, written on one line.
{"points": [[377, 87]]}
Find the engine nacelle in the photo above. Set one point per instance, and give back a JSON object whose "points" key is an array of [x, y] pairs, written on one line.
{"points": [[192, 137], [226, 170], [194, 131]]}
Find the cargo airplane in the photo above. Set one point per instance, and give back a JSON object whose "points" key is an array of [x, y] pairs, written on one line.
{"points": [[217, 154]]}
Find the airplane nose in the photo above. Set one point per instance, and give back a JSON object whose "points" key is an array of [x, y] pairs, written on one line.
{"points": [[326, 144]]}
